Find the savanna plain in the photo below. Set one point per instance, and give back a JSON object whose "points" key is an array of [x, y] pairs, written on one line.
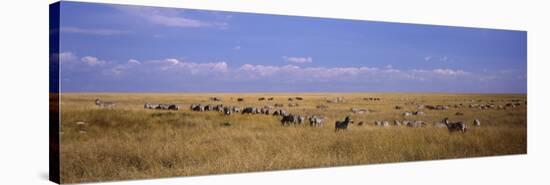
{"points": [[131, 142]]}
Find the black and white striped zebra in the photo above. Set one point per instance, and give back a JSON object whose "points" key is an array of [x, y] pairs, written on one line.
{"points": [[102, 104], [342, 125], [455, 126]]}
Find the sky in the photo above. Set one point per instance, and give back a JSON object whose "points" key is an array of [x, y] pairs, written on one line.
{"points": [[121, 48]]}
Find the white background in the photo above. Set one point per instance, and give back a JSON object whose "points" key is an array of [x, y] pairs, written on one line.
{"points": [[24, 91]]}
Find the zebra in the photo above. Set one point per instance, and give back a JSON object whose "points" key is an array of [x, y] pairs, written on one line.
{"points": [[150, 106], [477, 123], [455, 126], [279, 112], [102, 104], [315, 121], [287, 119], [342, 125], [227, 111], [197, 107], [249, 110]]}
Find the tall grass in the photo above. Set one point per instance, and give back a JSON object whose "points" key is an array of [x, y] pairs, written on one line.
{"points": [[131, 143]]}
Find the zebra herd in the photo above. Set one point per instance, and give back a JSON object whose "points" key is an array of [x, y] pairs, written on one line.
{"points": [[314, 120]]}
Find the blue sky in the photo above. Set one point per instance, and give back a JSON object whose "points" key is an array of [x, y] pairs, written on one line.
{"points": [[117, 48]]}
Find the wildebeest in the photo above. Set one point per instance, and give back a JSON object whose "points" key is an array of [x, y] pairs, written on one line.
{"points": [[398, 107], [290, 99], [261, 99], [103, 104], [342, 125], [299, 98], [315, 121], [455, 126], [278, 105], [477, 123], [215, 99], [459, 114], [240, 99], [270, 99]]}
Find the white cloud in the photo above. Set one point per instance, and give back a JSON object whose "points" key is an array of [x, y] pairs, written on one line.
{"points": [[427, 58], [172, 61], [93, 31], [133, 61], [237, 48], [176, 21], [298, 60], [92, 61], [169, 17], [172, 64], [449, 72], [67, 56]]}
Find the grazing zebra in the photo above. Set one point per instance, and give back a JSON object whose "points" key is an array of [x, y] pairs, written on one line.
{"points": [[455, 126], [235, 109], [416, 123], [197, 107], [477, 123], [287, 119], [150, 106], [397, 123], [249, 110], [315, 121], [279, 112], [300, 119], [227, 111], [164, 106], [342, 125], [102, 104]]}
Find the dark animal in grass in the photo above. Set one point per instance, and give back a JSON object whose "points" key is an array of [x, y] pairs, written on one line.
{"points": [[342, 125], [249, 110], [455, 126]]}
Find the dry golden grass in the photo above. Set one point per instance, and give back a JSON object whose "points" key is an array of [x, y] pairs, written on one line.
{"points": [[129, 142]]}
